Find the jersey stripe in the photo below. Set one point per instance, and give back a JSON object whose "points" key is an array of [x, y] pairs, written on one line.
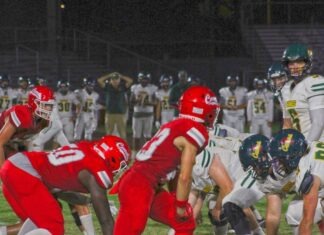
{"points": [[208, 159], [104, 178], [314, 96], [318, 87], [197, 136], [15, 119]]}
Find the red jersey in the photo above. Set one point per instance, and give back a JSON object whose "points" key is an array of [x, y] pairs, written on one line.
{"points": [[60, 168], [159, 158], [21, 116]]}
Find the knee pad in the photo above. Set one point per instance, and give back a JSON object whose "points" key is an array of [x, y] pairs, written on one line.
{"points": [[236, 218]]}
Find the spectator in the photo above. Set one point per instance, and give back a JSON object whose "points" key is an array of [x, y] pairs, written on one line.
{"points": [[116, 101], [178, 89]]}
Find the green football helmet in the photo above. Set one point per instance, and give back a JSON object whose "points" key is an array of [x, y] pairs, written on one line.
{"points": [[298, 52], [253, 153], [286, 149], [277, 77]]}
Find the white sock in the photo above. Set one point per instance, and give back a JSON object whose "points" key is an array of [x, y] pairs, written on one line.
{"points": [[294, 230], [258, 231], [220, 230], [257, 214], [87, 223], [3, 230]]}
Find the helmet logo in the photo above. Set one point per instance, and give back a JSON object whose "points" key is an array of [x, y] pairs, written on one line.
{"points": [[197, 110], [256, 150], [286, 143], [123, 150], [210, 100]]}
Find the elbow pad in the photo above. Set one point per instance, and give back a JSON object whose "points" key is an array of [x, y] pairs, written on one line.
{"points": [[306, 183]]}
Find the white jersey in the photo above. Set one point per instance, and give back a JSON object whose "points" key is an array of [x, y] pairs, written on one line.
{"points": [[146, 93], [283, 186], [260, 105], [298, 101], [88, 102], [22, 96], [52, 131], [65, 103], [236, 97], [313, 163], [7, 98], [224, 148], [167, 112]]}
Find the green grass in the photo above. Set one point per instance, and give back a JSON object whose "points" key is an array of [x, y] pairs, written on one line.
{"points": [[152, 228]]}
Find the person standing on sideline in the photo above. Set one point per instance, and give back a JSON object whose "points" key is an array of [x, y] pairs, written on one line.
{"points": [[233, 101], [116, 101], [259, 109], [178, 89]]}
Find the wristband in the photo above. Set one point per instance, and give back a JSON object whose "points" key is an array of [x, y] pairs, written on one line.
{"points": [[181, 203]]}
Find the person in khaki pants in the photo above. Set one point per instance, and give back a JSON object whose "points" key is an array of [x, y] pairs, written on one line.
{"points": [[116, 101]]}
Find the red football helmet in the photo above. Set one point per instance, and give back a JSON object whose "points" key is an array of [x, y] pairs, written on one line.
{"points": [[41, 100], [115, 151], [200, 104]]}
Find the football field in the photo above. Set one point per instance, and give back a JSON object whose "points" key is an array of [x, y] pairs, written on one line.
{"points": [[152, 228]]}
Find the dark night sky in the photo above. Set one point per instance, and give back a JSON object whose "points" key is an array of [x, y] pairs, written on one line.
{"points": [[144, 20]]}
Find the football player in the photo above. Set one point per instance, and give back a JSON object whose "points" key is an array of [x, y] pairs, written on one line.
{"points": [[259, 109], [8, 96], [87, 120], [143, 100], [86, 167], [68, 107], [174, 147], [303, 95], [164, 112], [269, 175], [218, 165], [233, 100], [22, 121], [23, 90], [309, 184]]}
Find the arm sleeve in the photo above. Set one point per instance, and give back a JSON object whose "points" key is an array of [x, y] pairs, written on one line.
{"points": [[249, 109], [270, 108], [317, 126]]}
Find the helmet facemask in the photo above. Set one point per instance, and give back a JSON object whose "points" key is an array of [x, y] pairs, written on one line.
{"points": [[44, 108]]}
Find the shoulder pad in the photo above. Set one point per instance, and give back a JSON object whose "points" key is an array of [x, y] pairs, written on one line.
{"points": [[306, 183]]}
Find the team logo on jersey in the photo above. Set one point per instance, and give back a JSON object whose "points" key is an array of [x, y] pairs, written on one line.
{"points": [[285, 144], [291, 103], [211, 100], [256, 150], [122, 149]]}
